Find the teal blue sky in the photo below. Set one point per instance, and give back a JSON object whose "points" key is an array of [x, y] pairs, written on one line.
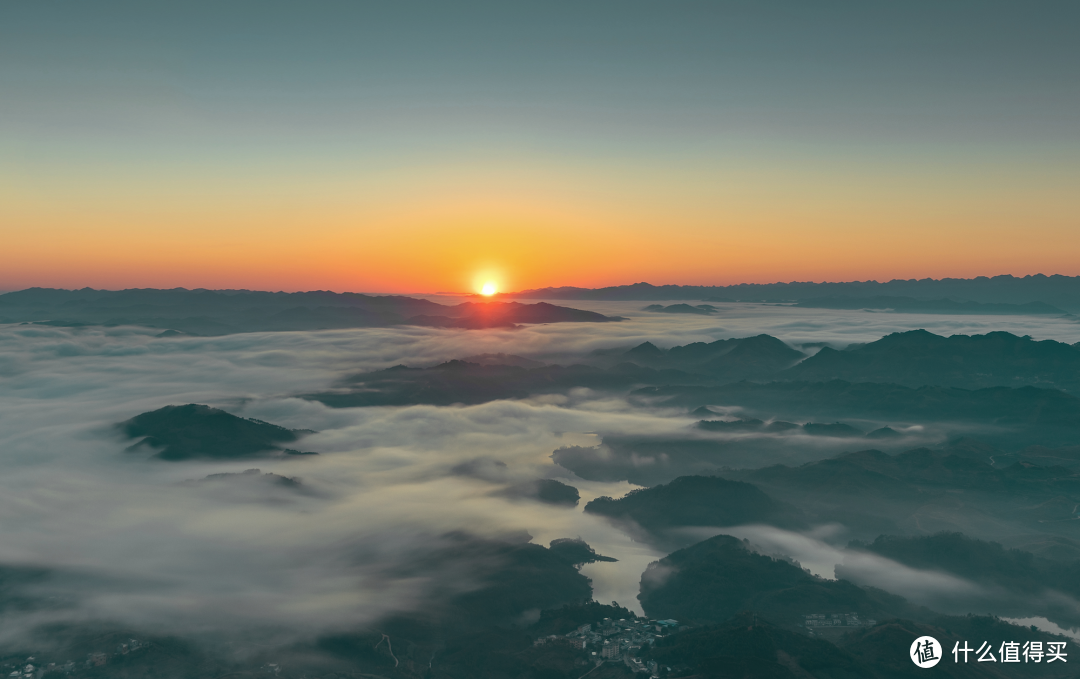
{"points": [[130, 100], [802, 70]]}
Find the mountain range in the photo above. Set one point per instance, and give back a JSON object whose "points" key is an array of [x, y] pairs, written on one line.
{"points": [[470, 383], [222, 312], [918, 358], [1060, 291]]}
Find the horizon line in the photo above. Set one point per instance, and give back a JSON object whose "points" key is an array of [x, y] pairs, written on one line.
{"points": [[551, 287]]}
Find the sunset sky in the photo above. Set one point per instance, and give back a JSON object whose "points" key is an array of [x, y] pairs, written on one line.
{"points": [[423, 147]]}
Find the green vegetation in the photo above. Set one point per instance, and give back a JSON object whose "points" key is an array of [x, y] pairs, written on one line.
{"points": [[715, 579], [548, 491], [889, 402], [1061, 291], [921, 491], [928, 306], [570, 617], [471, 383], [879, 647], [747, 645], [198, 431], [725, 360], [222, 312], [699, 309], [919, 358], [696, 501], [576, 551], [980, 561]]}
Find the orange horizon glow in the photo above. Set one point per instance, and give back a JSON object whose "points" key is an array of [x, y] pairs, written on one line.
{"points": [[535, 226], [297, 156]]}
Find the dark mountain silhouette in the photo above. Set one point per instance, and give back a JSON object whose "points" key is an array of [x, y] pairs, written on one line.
{"points": [[159, 655], [780, 427], [696, 501], [503, 359], [328, 317], [927, 306], [835, 429], [698, 309], [252, 485], [576, 551], [471, 383], [648, 460], [472, 315], [884, 433], [250, 475], [548, 491], [646, 351], [982, 562], [199, 431], [221, 312], [508, 577], [1025, 415], [923, 491], [717, 578], [1027, 423], [476, 630], [869, 472], [1067, 456], [919, 358], [875, 648], [1059, 291], [568, 618], [749, 647], [757, 357]]}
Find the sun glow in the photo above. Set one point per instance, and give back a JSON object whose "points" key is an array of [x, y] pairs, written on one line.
{"points": [[489, 289]]}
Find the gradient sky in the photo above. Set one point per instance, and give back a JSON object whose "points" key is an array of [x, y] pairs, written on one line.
{"points": [[406, 146]]}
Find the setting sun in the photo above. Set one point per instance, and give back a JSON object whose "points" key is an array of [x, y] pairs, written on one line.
{"points": [[489, 289]]}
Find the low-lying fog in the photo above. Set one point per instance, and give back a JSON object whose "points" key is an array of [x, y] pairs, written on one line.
{"points": [[134, 543]]}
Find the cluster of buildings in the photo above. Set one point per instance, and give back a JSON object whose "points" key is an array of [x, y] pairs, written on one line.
{"points": [[35, 671], [618, 641]]}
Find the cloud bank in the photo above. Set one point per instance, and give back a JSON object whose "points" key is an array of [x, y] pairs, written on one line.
{"points": [[132, 539]]}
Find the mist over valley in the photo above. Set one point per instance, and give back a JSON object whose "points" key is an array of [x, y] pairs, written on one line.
{"points": [[290, 497]]}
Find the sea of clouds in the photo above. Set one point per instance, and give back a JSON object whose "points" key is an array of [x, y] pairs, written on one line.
{"points": [[129, 539]]}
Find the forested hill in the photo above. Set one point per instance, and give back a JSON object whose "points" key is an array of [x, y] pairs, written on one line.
{"points": [[1060, 291], [223, 312]]}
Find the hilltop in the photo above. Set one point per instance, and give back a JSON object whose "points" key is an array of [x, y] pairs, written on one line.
{"points": [[199, 431], [1059, 291], [918, 358], [222, 312]]}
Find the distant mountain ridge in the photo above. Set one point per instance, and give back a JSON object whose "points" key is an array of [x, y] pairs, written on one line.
{"points": [[1056, 290], [732, 359], [471, 383], [928, 306], [1023, 406], [697, 501], [914, 358], [222, 312], [722, 576], [917, 357]]}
